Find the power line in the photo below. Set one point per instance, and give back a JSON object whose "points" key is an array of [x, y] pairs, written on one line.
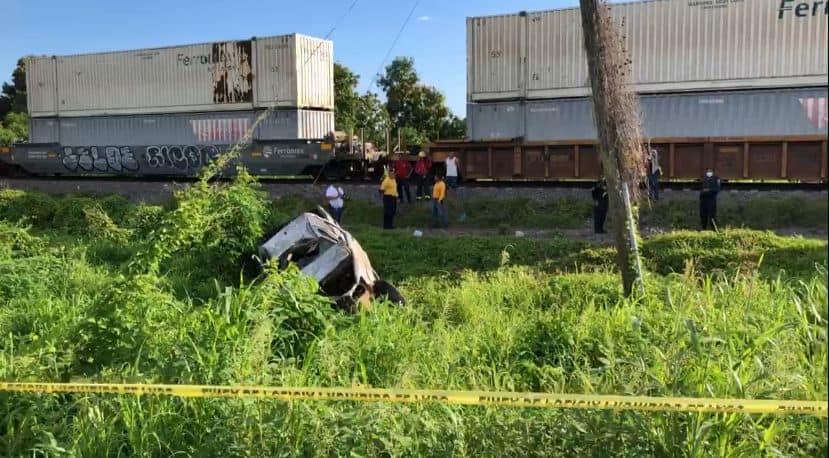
{"points": [[394, 43]]}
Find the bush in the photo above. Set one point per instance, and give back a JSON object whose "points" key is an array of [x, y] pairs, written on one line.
{"points": [[733, 314]]}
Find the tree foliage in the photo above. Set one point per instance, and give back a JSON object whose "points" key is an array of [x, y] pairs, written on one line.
{"points": [[13, 117], [13, 128], [13, 96], [416, 110], [346, 98]]}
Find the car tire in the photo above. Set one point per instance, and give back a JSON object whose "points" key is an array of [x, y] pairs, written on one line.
{"points": [[385, 289]]}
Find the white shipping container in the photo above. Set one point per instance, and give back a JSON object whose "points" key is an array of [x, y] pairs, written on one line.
{"points": [[496, 51], [294, 70], [675, 45], [233, 75]]}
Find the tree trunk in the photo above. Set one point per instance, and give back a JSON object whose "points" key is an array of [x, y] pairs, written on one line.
{"points": [[616, 114]]}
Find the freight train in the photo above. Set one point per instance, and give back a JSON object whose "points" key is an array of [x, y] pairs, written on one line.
{"points": [[740, 86], [170, 111]]}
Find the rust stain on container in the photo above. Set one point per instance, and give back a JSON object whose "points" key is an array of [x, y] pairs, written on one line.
{"points": [[232, 72]]}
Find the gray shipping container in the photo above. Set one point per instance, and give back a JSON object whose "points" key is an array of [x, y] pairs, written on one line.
{"points": [[289, 71], [782, 112], [181, 129], [674, 45], [495, 121]]}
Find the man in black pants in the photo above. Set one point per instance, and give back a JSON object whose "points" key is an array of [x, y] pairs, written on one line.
{"points": [[600, 204], [708, 201]]}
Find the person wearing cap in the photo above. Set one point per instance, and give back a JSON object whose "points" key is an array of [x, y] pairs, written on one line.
{"points": [[423, 167], [388, 189]]}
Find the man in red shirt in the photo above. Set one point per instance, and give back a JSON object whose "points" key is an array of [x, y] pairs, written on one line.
{"points": [[403, 171], [421, 171]]}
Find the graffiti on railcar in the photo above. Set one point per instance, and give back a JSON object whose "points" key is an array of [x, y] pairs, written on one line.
{"points": [[94, 159], [181, 157]]}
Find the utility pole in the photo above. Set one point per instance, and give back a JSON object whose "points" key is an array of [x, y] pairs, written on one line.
{"points": [[616, 114]]}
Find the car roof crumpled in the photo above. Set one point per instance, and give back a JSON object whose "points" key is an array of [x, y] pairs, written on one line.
{"points": [[340, 247]]}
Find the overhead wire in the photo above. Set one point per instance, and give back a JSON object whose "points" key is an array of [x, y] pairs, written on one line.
{"points": [[394, 43]]}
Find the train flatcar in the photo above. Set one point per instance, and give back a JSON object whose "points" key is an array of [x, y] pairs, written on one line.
{"points": [[769, 134]]}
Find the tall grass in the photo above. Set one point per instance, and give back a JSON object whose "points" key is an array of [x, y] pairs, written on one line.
{"points": [[736, 314]]}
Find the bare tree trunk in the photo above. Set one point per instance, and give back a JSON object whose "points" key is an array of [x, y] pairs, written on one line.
{"points": [[616, 114]]}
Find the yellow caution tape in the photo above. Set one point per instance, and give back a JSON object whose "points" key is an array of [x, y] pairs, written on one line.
{"points": [[476, 398]]}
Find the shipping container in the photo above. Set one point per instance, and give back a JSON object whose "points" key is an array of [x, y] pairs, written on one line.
{"points": [[495, 121], [181, 129], [674, 45], [754, 113], [291, 71]]}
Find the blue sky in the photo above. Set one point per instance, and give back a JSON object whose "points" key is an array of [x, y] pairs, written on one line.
{"points": [[435, 37]]}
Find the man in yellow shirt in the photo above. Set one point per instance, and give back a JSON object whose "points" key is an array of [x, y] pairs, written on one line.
{"points": [[439, 219], [388, 189]]}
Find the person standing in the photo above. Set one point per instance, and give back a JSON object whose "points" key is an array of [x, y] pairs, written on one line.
{"points": [[336, 204], [403, 171], [654, 173], [423, 167], [388, 189], [708, 200], [452, 166], [439, 218], [600, 206]]}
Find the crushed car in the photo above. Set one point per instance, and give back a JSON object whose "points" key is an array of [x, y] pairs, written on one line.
{"points": [[325, 251]]}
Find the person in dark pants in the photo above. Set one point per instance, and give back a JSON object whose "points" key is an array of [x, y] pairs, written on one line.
{"points": [[708, 201], [421, 172], [654, 173], [403, 171], [388, 189], [600, 206]]}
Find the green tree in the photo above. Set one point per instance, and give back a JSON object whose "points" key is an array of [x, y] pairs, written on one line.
{"points": [[13, 96], [417, 109], [371, 118], [13, 128], [346, 99], [453, 127]]}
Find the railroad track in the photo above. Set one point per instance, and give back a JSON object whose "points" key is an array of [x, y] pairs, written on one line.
{"points": [[573, 184]]}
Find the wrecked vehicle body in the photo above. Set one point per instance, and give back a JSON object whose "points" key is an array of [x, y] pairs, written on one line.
{"points": [[323, 250]]}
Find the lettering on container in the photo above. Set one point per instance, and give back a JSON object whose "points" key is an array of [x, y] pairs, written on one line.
{"points": [[802, 9], [181, 157], [282, 153], [712, 4], [93, 159]]}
